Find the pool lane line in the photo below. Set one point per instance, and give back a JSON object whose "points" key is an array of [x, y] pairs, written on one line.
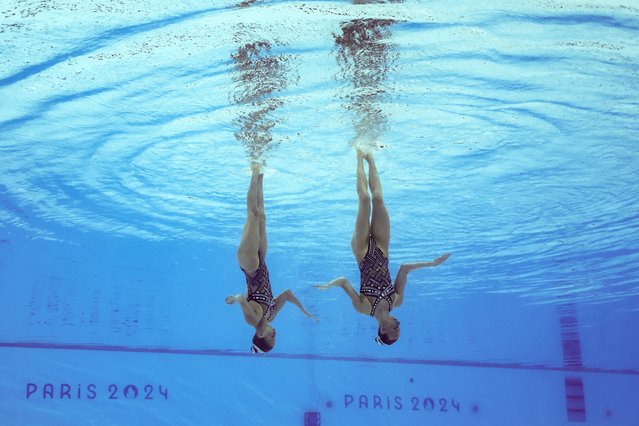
{"points": [[313, 357], [575, 394]]}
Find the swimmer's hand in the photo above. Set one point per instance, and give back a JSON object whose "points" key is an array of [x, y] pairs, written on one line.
{"points": [[405, 268], [337, 282], [234, 299], [440, 259]]}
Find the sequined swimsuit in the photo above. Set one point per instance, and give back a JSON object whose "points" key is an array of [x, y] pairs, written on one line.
{"points": [[375, 276], [258, 288]]}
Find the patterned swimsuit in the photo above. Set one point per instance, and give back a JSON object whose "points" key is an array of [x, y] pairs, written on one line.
{"points": [[375, 276], [258, 288]]}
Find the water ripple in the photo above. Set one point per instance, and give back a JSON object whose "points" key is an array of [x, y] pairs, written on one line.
{"points": [[503, 136]]}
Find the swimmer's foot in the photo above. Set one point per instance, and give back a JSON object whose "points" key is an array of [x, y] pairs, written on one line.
{"points": [[257, 167], [363, 152]]}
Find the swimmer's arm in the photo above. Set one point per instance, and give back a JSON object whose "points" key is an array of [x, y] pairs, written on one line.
{"points": [[249, 313], [289, 296], [402, 276], [357, 299]]}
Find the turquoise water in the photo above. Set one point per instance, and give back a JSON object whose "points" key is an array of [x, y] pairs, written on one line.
{"points": [[504, 133]]}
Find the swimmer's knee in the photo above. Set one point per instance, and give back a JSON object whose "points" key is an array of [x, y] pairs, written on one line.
{"points": [[377, 196], [363, 196], [253, 212]]}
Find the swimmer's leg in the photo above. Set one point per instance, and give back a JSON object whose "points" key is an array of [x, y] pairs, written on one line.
{"points": [[261, 214], [359, 242], [247, 253], [380, 222]]}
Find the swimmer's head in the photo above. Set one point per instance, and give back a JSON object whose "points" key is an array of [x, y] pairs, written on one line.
{"points": [[263, 339], [388, 331]]}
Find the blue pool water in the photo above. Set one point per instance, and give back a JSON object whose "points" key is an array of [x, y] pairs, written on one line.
{"points": [[504, 133]]}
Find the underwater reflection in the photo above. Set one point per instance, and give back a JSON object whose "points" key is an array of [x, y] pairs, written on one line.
{"points": [[259, 74], [365, 56], [247, 3]]}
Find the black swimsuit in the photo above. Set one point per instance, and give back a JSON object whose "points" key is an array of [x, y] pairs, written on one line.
{"points": [[258, 288], [375, 277]]}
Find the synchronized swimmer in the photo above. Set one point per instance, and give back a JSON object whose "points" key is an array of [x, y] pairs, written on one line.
{"points": [[377, 294], [258, 305]]}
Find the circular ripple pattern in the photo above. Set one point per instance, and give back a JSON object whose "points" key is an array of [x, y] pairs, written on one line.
{"points": [[504, 137]]}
